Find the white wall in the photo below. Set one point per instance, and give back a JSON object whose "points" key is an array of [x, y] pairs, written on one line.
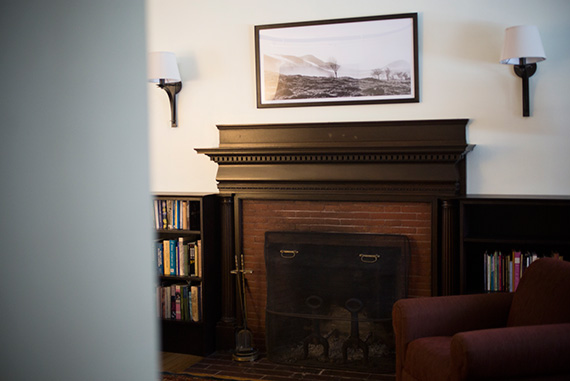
{"points": [[460, 77], [76, 273]]}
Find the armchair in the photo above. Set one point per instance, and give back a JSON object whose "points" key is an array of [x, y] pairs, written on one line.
{"points": [[523, 335]]}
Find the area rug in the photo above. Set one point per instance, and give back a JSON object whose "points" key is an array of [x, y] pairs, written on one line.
{"points": [[195, 377]]}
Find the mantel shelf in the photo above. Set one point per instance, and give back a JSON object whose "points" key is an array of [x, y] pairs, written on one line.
{"points": [[385, 157]]}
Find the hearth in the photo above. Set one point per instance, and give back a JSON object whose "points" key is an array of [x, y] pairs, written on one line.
{"points": [[330, 297]]}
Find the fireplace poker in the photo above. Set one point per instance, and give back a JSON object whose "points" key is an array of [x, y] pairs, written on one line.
{"points": [[244, 351]]}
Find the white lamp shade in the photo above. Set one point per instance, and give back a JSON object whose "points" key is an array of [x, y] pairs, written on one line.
{"points": [[522, 41], [162, 65]]}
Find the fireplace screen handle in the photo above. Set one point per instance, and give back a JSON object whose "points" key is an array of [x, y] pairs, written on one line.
{"points": [[288, 254], [369, 258]]}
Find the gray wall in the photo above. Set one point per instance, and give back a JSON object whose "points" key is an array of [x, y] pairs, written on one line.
{"points": [[76, 262]]}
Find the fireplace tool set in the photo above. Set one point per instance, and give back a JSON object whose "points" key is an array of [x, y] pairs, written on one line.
{"points": [[243, 350]]}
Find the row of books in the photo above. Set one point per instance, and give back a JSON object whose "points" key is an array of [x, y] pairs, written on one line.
{"points": [[179, 257], [180, 302], [174, 214], [502, 272]]}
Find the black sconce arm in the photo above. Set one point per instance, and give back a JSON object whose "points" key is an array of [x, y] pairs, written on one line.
{"points": [[171, 90], [525, 71]]}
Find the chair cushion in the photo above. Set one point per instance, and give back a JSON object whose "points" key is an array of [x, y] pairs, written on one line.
{"points": [[542, 294], [429, 358]]}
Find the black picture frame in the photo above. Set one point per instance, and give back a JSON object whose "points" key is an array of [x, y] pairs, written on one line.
{"points": [[362, 60]]}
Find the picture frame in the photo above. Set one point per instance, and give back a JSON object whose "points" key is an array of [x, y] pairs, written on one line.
{"points": [[363, 60]]}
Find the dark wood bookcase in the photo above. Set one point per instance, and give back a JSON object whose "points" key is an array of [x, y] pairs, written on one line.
{"points": [[506, 223], [190, 337]]}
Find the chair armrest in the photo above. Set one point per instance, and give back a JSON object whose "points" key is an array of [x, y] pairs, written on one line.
{"points": [[510, 352], [447, 315]]}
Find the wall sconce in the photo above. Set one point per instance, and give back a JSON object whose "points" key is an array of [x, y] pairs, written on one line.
{"points": [[162, 69], [523, 49]]}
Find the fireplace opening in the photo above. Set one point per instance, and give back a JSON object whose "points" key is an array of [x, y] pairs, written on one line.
{"points": [[330, 297]]}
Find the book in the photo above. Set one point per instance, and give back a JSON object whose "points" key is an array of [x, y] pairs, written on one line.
{"points": [[195, 296], [192, 258], [164, 213], [199, 258], [159, 247], [157, 214], [172, 291], [166, 256], [517, 269], [169, 214], [183, 257], [166, 301], [177, 302], [188, 304], [172, 251], [184, 214]]}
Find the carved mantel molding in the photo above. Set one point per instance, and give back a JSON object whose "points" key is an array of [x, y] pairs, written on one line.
{"points": [[423, 157]]}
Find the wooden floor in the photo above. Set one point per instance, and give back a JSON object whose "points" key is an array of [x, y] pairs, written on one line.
{"points": [[220, 365], [177, 362]]}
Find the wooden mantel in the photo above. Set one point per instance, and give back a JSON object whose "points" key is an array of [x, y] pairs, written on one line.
{"points": [[422, 157]]}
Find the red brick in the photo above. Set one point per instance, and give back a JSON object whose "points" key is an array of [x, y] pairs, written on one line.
{"points": [[413, 220]]}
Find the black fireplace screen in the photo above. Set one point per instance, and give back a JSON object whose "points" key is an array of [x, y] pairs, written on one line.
{"points": [[330, 298]]}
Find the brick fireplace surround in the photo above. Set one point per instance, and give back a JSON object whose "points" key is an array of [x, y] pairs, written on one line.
{"points": [[259, 216], [352, 177]]}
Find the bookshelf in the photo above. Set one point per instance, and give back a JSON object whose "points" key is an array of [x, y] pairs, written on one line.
{"points": [[189, 221], [492, 224]]}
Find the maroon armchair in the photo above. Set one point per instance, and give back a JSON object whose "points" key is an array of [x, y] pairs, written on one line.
{"points": [[499, 336]]}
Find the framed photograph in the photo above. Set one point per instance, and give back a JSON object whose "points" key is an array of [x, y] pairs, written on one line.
{"points": [[363, 60]]}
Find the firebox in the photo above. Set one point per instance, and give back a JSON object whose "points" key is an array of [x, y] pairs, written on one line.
{"points": [[330, 297]]}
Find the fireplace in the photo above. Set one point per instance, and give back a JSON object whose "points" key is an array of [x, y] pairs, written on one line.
{"points": [[399, 177], [330, 298]]}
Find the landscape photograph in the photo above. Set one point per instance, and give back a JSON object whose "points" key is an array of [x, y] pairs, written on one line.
{"points": [[372, 60]]}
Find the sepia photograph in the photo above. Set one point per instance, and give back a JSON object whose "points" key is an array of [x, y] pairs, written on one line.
{"points": [[332, 62]]}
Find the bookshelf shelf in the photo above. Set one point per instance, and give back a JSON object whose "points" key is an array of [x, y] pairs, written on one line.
{"points": [[535, 224], [190, 220], [177, 232], [515, 241]]}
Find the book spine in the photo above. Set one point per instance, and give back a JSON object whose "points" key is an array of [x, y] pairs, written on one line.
{"points": [[199, 258], [195, 297], [183, 257], [164, 211], [169, 214], [517, 269], [172, 251], [184, 215], [166, 256], [188, 316], [177, 301], [159, 247], [192, 259], [172, 289], [167, 302], [156, 209]]}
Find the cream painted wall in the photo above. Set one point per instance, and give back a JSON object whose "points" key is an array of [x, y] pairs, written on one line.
{"points": [[460, 77]]}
